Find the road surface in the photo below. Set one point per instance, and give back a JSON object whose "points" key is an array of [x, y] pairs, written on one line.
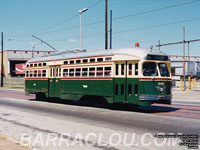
{"points": [[79, 123]]}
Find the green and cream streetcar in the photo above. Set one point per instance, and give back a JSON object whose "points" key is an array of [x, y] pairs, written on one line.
{"points": [[133, 76]]}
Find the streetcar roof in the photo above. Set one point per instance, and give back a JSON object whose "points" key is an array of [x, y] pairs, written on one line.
{"points": [[140, 53]]}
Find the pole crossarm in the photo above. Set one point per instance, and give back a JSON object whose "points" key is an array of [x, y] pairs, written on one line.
{"points": [[189, 41]]}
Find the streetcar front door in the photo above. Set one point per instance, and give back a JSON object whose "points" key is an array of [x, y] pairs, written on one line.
{"points": [[54, 81]]}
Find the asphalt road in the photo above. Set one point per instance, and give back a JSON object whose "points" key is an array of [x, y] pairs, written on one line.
{"points": [[152, 119]]}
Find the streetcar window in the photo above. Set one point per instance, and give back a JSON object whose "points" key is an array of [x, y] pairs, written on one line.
{"points": [[108, 58], [130, 69], [44, 64], [57, 72], [136, 69], [43, 73], [99, 59], [84, 72], [149, 69], [35, 65], [39, 73], [116, 89], [91, 72], [31, 73], [107, 72], [71, 61], [27, 73], [65, 72], [35, 73], [39, 64], [78, 61], [136, 90], [122, 69], [51, 72], [99, 71], [71, 72], [92, 60], [129, 90], [78, 72], [31, 65], [85, 60], [65, 62], [27, 65], [122, 89], [163, 70], [116, 69]]}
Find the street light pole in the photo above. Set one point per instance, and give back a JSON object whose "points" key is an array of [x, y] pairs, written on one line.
{"points": [[80, 12], [184, 58], [1, 59]]}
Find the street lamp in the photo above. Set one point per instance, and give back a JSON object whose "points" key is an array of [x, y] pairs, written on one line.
{"points": [[80, 12]]}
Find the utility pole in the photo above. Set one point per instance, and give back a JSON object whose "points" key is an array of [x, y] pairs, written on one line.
{"points": [[33, 51], [188, 58], [1, 59], [106, 24], [184, 57], [110, 29], [159, 46]]}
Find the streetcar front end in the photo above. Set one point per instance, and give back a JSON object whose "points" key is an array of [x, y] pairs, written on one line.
{"points": [[155, 81]]}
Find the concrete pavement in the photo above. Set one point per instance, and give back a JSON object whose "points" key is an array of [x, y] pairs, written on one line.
{"points": [[41, 118]]}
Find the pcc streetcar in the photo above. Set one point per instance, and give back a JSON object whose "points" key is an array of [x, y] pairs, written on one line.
{"points": [[134, 76]]}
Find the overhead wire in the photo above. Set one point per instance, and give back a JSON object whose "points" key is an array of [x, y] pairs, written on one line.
{"points": [[59, 23], [147, 27], [137, 29], [117, 18], [154, 10], [102, 21]]}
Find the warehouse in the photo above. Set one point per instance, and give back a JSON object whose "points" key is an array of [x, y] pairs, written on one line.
{"points": [[13, 58]]}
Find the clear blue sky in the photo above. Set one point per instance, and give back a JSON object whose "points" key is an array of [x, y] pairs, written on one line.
{"points": [[57, 22]]}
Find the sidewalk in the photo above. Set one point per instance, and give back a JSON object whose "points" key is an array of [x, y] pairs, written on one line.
{"points": [[6, 144], [190, 96]]}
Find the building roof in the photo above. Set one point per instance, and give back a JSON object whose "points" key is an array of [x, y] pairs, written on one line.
{"points": [[136, 52]]}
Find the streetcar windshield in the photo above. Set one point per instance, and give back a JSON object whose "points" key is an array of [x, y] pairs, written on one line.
{"points": [[149, 69], [164, 72]]}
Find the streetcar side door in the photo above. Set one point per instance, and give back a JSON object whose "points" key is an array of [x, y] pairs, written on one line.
{"points": [[54, 81], [132, 82], [119, 86]]}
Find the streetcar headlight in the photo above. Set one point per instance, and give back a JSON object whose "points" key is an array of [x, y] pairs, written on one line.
{"points": [[160, 88]]}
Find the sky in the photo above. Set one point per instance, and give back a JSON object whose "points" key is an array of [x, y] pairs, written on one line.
{"points": [[57, 22]]}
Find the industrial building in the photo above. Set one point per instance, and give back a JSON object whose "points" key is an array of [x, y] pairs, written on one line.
{"points": [[11, 58], [192, 66]]}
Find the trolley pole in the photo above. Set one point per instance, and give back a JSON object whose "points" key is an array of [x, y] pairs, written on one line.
{"points": [[106, 24], [184, 58], [1, 59]]}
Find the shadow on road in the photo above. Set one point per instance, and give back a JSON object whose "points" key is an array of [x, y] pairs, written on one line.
{"points": [[118, 107]]}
